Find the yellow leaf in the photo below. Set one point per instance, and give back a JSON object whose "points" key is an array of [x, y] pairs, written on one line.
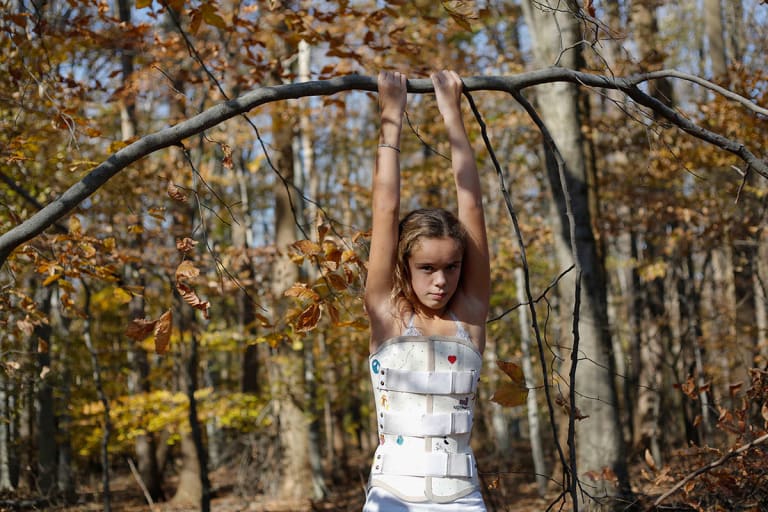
{"points": [[74, 225], [51, 279], [140, 4], [163, 329], [121, 296]]}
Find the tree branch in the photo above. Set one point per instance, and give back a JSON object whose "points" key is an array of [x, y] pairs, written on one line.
{"points": [[712, 465], [173, 135]]}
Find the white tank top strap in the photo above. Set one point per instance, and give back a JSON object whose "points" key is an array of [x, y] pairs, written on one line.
{"points": [[461, 332], [410, 330]]}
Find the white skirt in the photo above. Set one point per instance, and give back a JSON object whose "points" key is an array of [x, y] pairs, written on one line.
{"points": [[379, 500]]}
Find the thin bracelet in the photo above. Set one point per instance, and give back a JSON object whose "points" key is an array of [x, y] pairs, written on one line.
{"points": [[390, 146]]}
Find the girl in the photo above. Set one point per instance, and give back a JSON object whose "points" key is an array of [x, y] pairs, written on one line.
{"points": [[427, 298]]}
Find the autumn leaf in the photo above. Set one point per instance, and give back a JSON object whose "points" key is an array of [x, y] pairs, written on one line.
{"points": [[186, 270], [227, 160], [307, 247], [514, 393], [302, 291], [308, 319], [336, 281], [190, 297], [140, 328], [176, 193], [162, 330], [185, 245]]}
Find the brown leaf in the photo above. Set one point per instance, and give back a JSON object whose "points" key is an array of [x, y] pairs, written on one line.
{"points": [[336, 281], [140, 328], [163, 329], [764, 411], [186, 270], [307, 247], [308, 319], [227, 160], [509, 394], [176, 193], [42, 346], [185, 245], [190, 297], [302, 291]]}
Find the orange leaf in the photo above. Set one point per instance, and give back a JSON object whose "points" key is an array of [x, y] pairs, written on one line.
{"points": [[764, 411], [140, 328], [163, 332]]}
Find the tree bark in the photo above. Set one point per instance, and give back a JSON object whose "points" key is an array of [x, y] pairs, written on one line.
{"points": [[598, 438], [713, 22]]}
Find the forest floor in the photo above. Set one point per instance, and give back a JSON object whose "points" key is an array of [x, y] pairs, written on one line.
{"points": [[507, 490]]}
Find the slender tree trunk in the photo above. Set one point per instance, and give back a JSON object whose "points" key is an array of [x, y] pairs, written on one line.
{"points": [[107, 427], [760, 278], [534, 429], [599, 442], [6, 441], [47, 448]]}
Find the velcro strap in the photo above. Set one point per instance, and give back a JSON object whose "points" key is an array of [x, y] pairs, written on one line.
{"points": [[440, 424], [438, 464], [428, 383]]}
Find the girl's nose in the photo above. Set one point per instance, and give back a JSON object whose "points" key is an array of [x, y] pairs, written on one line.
{"points": [[439, 277]]}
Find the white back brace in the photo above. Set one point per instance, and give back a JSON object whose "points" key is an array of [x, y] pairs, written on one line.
{"points": [[425, 389]]}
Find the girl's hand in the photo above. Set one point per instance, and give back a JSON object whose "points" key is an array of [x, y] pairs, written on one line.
{"points": [[448, 90], [392, 95]]}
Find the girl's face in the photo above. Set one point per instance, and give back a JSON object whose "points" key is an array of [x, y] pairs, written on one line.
{"points": [[435, 268]]}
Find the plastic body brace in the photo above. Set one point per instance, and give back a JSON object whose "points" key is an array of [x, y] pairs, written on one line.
{"points": [[425, 389]]}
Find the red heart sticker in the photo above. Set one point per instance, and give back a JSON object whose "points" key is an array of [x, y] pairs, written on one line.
{"points": [[451, 359]]}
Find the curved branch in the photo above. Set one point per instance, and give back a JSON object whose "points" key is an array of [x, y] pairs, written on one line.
{"points": [[173, 135]]}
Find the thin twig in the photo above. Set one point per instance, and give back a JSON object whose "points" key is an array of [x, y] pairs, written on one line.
{"points": [[137, 477], [712, 465]]}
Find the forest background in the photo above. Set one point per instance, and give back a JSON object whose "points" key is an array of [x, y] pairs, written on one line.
{"points": [[184, 207]]}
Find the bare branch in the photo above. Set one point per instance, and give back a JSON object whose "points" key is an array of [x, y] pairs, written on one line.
{"points": [[174, 135]]}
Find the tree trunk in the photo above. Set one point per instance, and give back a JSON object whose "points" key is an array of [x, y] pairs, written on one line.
{"points": [[47, 450], [296, 481], [713, 22], [6, 485], [537, 449], [598, 438]]}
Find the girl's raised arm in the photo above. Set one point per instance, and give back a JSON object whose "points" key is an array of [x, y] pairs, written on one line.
{"points": [[475, 272], [385, 206]]}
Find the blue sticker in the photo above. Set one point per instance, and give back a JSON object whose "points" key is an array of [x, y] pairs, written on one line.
{"points": [[375, 365], [400, 440]]}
